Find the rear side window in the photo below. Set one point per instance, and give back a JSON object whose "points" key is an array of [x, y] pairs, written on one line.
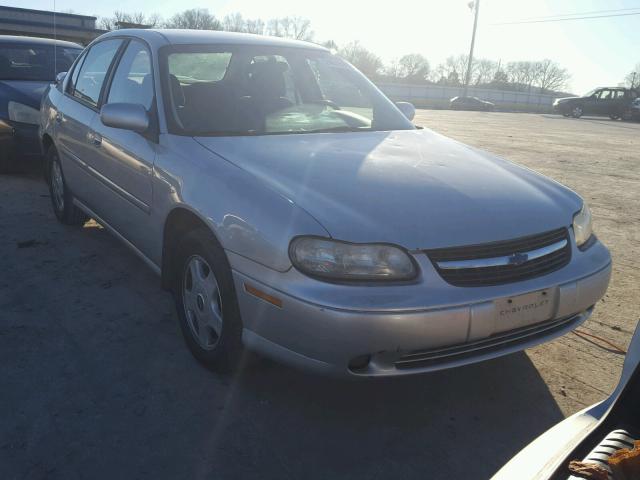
{"points": [[133, 81], [93, 71]]}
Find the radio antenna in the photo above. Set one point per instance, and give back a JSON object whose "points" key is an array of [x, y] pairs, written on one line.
{"points": [[55, 42]]}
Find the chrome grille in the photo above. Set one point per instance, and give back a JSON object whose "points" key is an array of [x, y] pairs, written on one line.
{"points": [[503, 262]]}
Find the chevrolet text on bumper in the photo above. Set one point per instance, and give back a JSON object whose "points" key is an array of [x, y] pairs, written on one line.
{"points": [[294, 210]]}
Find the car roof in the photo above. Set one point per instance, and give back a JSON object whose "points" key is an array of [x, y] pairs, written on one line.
{"points": [[190, 37], [17, 39]]}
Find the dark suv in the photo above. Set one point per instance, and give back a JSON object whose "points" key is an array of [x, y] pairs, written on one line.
{"points": [[611, 102]]}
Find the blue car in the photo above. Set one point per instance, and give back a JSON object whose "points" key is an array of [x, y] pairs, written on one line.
{"points": [[27, 66]]}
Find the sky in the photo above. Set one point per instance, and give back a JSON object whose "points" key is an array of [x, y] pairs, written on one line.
{"points": [[597, 52]]}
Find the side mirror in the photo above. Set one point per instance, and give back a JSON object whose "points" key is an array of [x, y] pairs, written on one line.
{"points": [[128, 116], [60, 78], [407, 109]]}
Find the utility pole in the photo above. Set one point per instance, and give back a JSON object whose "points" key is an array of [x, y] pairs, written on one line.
{"points": [[476, 6]]}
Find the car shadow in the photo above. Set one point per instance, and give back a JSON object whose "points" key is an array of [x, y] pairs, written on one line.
{"points": [[97, 382]]}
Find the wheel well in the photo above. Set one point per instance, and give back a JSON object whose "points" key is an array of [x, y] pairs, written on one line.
{"points": [[179, 222], [47, 141]]}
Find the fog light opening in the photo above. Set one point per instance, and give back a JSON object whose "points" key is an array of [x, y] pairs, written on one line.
{"points": [[359, 363]]}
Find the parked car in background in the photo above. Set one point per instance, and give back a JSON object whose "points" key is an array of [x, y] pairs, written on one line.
{"points": [[294, 210], [471, 103], [27, 66], [609, 102], [633, 112], [590, 436]]}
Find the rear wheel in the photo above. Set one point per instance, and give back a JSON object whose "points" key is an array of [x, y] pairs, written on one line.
{"points": [[576, 112], [614, 116], [206, 302], [61, 197]]}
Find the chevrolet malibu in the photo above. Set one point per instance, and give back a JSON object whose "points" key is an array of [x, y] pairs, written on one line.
{"points": [[294, 211]]}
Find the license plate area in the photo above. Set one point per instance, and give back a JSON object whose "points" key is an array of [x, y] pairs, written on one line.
{"points": [[524, 310]]}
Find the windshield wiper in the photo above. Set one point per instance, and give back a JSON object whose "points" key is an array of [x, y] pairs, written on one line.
{"points": [[342, 128]]}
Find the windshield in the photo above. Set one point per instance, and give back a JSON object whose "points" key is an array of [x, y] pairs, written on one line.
{"points": [[252, 90], [35, 62], [590, 92]]}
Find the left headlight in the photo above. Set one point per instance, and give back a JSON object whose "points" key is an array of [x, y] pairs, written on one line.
{"points": [[19, 112], [582, 226], [335, 260]]}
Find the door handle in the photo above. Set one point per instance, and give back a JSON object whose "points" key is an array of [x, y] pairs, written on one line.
{"points": [[94, 139]]}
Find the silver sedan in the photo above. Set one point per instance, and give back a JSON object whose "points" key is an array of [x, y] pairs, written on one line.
{"points": [[295, 211]]}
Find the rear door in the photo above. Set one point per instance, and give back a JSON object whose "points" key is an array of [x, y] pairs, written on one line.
{"points": [[123, 159], [76, 112]]}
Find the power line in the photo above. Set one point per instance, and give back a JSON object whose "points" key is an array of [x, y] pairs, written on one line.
{"points": [[593, 12], [567, 19]]}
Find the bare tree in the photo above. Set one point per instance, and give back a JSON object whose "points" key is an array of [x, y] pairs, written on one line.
{"points": [[256, 26], [413, 66], [485, 71], [549, 76], [297, 28], [195, 18], [234, 23], [137, 18], [633, 78], [361, 58]]}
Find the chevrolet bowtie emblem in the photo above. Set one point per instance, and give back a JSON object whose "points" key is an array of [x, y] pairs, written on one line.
{"points": [[518, 259]]}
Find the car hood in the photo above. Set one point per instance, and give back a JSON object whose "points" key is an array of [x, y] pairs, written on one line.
{"points": [[414, 188], [23, 91], [566, 99]]}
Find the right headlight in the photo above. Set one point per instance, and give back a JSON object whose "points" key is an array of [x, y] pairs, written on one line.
{"points": [[335, 260], [582, 226]]}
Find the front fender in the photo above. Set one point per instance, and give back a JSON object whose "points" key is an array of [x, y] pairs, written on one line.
{"points": [[248, 217]]}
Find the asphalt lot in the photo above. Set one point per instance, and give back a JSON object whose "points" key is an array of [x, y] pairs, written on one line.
{"points": [[95, 381]]}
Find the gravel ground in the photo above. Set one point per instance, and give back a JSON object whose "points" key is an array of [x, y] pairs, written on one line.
{"points": [[96, 383]]}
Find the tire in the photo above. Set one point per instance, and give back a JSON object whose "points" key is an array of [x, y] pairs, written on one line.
{"points": [[566, 114], [205, 298], [61, 197], [576, 112], [614, 116]]}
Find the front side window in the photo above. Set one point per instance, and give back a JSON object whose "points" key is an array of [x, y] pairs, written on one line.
{"points": [[94, 71], [256, 90], [35, 62], [133, 80]]}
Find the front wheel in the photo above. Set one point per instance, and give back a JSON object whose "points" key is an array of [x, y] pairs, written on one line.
{"points": [[576, 112], [206, 302], [61, 197]]}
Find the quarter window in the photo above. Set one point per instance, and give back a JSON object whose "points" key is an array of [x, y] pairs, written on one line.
{"points": [[94, 71], [133, 80]]}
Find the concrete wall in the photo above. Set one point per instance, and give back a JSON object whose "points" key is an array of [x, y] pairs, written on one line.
{"points": [[437, 96]]}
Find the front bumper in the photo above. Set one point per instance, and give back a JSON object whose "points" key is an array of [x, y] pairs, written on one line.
{"points": [[19, 141], [324, 327]]}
